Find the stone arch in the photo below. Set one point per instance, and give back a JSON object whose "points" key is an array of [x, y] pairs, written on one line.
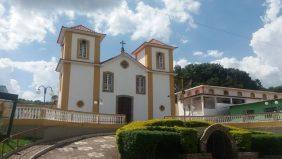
{"points": [[217, 129]]}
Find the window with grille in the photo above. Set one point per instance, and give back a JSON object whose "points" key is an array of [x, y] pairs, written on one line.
{"points": [[83, 49], [160, 61], [108, 82], [140, 84]]}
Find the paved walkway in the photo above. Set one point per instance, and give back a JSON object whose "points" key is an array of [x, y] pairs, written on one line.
{"points": [[29, 152], [102, 147]]}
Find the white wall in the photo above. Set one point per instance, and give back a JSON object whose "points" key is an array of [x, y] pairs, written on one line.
{"points": [[161, 93], [124, 84], [141, 57], [91, 40], [81, 87], [155, 50]]}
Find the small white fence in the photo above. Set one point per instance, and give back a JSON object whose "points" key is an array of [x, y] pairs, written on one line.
{"points": [[34, 112], [263, 117]]}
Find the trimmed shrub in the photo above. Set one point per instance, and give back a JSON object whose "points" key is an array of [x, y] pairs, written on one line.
{"points": [[242, 139], [189, 139], [165, 122], [196, 123], [267, 144], [144, 144]]}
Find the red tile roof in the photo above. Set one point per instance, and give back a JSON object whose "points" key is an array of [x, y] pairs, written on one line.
{"points": [[82, 28]]}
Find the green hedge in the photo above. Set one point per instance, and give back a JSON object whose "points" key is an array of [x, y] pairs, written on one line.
{"points": [[242, 139], [188, 139], [267, 144], [144, 144]]}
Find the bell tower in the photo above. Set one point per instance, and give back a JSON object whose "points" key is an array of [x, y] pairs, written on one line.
{"points": [[79, 69]]}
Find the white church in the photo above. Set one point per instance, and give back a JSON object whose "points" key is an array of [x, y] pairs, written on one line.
{"points": [[139, 85]]}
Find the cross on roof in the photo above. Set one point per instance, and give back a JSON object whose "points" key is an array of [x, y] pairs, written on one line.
{"points": [[122, 45]]}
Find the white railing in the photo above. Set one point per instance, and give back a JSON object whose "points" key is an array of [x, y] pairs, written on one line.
{"points": [[34, 112], [263, 117]]}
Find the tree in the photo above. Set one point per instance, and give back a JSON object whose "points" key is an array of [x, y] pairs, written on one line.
{"points": [[213, 74], [275, 89]]}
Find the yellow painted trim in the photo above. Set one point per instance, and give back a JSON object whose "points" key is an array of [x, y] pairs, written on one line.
{"points": [[148, 64], [43, 122], [171, 95], [66, 72], [170, 60], [96, 84]]}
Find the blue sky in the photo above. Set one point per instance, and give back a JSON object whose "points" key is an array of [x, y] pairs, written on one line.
{"points": [[244, 34]]}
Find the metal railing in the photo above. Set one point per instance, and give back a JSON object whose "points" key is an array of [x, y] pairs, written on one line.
{"points": [[39, 112], [262, 117], [13, 142]]}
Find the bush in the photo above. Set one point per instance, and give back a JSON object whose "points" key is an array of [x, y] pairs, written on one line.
{"points": [[196, 123], [188, 137], [242, 139], [165, 122], [144, 144], [267, 144]]}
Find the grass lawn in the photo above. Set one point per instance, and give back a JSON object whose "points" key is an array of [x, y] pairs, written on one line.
{"points": [[8, 147]]}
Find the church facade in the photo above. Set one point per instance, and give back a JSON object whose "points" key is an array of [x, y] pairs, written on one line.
{"points": [[139, 85]]}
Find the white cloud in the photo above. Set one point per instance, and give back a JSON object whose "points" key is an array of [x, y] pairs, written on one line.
{"points": [[272, 11], [146, 21], [29, 95], [214, 53], [209, 53], [181, 62], [14, 86], [42, 72], [183, 41], [23, 22]]}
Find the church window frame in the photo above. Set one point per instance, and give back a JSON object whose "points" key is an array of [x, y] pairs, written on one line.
{"points": [[160, 60], [140, 84], [108, 82], [82, 49]]}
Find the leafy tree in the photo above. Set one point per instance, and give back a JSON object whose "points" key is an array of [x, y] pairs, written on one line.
{"points": [[213, 74], [275, 89]]}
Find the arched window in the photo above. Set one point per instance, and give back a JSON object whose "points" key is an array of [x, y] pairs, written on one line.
{"points": [[140, 84], [239, 94], [253, 95], [160, 61], [264, 97], [226, 93], [275, 96], [211, 91], [108, 82], [82, 49]]}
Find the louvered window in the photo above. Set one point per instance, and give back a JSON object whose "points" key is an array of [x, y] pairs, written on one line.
{"points": [[140, 84], [108, 82], [160, 61], [83, 49]]}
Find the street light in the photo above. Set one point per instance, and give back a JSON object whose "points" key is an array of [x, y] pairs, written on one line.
{"points": [[271, 103], [45, 92]]}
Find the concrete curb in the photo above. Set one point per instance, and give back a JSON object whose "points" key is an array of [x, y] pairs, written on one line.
{"points": [[66, 141]]}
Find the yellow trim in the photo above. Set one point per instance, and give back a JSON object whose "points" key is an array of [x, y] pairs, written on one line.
{"points": [[66, 72], [172, 98], [44, 122], [148, 64], [96, 86]]}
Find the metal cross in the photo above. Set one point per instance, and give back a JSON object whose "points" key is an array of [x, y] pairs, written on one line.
{"points": [[122, 45]]}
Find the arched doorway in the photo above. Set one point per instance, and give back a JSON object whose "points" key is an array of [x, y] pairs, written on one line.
{"points": [[125, 106], [217, 141], [219, 145]]}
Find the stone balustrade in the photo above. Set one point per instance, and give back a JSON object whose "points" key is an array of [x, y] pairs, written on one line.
{"points": [[263, 117], [40, 112]]}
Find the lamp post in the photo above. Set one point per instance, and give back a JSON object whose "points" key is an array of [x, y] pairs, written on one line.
{"points": [[271, 103], [45, 88]]}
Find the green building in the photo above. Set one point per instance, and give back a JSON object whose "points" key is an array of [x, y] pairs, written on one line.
{"points": [[258, 107]]}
